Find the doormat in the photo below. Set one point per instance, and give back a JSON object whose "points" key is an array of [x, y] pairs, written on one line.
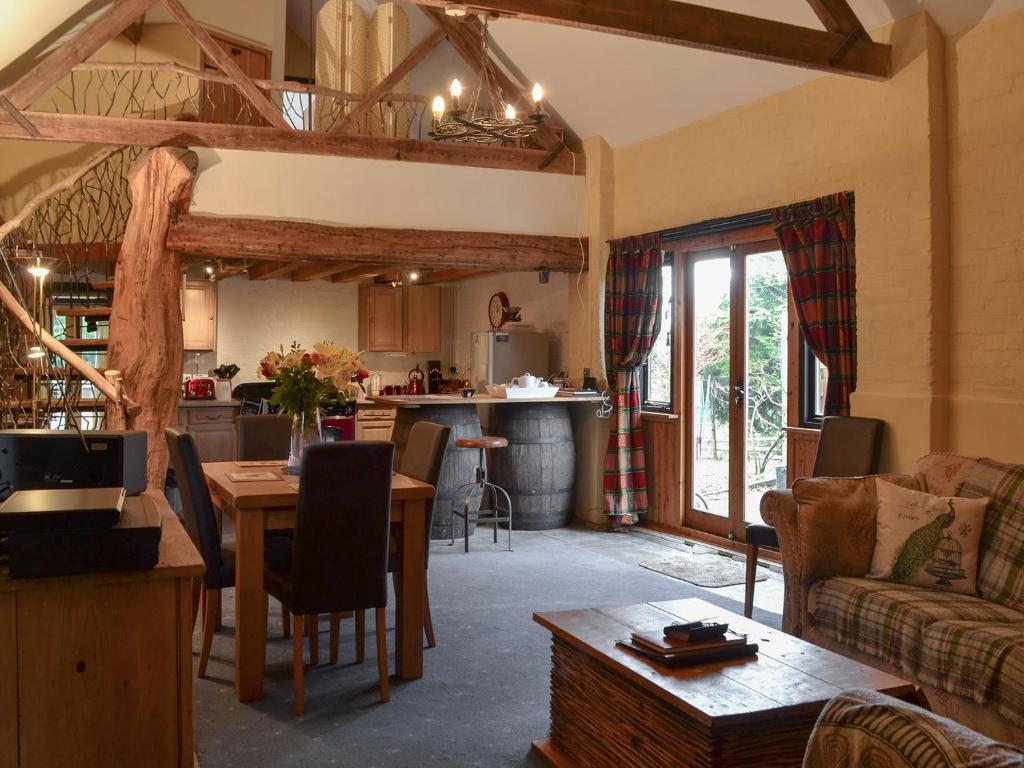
{"points": [[704, 570]]}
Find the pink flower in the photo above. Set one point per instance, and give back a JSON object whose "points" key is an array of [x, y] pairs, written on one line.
{"points": [[362, 374]]}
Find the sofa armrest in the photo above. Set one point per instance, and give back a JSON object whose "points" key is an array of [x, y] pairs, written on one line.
{"points": [[774, 501], [779, 510]]}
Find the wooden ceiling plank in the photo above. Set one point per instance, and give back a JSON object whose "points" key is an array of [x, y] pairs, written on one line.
{"points": [[277, 240], [91, 129], [466, 37], [356, 273], [385, 86], [19, 118], [227, 65], [133, 32], [320, 271], [451, 275], [272, 269], [697, 26], [836, 15], [58, 64]]}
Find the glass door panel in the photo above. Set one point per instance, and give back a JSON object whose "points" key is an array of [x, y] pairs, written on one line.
{"points": [[765, 381], [711, 372]]}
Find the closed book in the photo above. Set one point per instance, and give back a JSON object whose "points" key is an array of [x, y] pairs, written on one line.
{"points": [[704, 656], [660, 643]]}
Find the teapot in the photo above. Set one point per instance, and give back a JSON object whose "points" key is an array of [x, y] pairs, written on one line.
{"points": [[416, 381], [526, 381]]}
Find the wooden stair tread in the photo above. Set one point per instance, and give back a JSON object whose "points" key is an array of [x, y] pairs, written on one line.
{"points": [[102, 285], [85, 343], [82, 311]]}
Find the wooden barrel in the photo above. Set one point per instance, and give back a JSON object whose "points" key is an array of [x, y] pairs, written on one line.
{"points": [[539, 466], [459, 465]]}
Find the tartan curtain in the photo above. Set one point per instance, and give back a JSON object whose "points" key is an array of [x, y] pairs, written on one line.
{"points": [[817, 238], [632, 320]]}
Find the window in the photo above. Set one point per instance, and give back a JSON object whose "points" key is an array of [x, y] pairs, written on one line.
{"points": [[813, 381], [656, 375]]}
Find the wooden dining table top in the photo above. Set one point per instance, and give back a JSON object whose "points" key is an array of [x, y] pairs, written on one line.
{"points": [[284, 491]]}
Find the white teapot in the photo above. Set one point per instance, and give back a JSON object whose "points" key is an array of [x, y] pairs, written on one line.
{"points": [[526, 381]]}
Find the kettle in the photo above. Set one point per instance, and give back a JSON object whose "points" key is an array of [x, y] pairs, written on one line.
{"points": [[416, 381]]}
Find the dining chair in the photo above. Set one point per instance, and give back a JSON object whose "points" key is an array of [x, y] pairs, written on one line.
{"points": [[848, 446], [263, 438], [201, 525], [339, 556], [422, 460]]}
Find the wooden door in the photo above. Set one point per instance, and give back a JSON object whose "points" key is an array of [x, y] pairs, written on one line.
{"points": [[199, 315], [374, 430], [422, 318], [222, 103], [381, 327]]}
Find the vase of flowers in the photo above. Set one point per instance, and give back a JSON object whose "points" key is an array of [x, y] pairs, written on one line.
{"points": [[306, 381]]}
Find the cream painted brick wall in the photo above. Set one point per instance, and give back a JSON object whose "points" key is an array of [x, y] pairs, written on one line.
{"points": [[834, 133], [986, 171]]}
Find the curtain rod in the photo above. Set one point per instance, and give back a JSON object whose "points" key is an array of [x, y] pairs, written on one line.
{"points": [[712, 226]]}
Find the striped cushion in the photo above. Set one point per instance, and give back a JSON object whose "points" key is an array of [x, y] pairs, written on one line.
{"points": [[1001, 569], [982, 662], [861, 728]]}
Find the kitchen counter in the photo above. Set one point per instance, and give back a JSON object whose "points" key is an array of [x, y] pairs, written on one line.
{"points": [[417, 401]]}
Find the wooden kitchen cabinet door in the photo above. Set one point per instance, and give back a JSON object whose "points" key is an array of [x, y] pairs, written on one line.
{"points": [[381, 327], [422, 318], [199, 315]]}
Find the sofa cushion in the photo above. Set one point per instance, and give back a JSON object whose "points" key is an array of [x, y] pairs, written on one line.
{"points": [[887, 620], [943, 473], [1001, 569], [861, 728], [980, 661]]}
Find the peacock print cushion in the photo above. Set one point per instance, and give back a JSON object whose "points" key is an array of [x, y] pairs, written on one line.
{"points": [[926, 540]]}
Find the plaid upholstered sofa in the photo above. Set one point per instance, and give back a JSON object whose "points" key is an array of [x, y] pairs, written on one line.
{"points": [[966, 652]]}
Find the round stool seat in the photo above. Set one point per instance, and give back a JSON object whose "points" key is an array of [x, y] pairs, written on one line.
{"points": [[482, 442]]}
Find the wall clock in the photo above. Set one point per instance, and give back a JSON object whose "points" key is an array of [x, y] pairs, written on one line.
{"points": [[497, 310]]}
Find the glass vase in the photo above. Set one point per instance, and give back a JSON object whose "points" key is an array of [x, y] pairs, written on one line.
{"points": [[305, 431]]}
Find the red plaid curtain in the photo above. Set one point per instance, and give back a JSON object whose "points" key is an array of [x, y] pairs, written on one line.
{"points": [[632, 320], [817, 239]]}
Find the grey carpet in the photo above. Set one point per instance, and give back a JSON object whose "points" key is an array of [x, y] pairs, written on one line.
{"points": [[484, 696], [707, 570]]}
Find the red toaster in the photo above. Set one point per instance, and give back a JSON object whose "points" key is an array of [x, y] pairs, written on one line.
{"points": [[200, 388]]}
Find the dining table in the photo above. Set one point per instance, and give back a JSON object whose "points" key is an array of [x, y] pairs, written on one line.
{"points": [[258, 506]]}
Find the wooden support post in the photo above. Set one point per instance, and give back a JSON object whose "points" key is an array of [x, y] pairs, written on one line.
{"points": [[146, 343]]}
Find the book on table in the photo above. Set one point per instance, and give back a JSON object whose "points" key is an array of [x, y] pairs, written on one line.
{"points": [[674, 652]]}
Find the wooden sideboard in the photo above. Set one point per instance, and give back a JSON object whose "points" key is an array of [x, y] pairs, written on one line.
{"points": [[801, 448], [96, 670], [212, 424]]}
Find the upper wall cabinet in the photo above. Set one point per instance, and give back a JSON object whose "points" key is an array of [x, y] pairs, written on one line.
{"points": [[199, 315], [399, 319]]}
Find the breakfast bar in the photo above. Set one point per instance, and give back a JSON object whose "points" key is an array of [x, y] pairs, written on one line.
{"points": [[538, 468]]}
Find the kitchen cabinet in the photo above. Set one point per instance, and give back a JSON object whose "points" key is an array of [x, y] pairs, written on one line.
{"points": [[212, 427], [199, 315], [374, 423], [406, 319]]}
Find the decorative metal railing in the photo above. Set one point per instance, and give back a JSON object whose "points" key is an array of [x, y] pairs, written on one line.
{"points": [[165, 91], [57, 257]]}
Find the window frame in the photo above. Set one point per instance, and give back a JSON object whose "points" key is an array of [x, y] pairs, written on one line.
{"points": [[658, 406], [809, 417]]}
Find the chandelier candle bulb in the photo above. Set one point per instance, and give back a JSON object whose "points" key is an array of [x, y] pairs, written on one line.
{"points": [[510, 112], [537, 94]]}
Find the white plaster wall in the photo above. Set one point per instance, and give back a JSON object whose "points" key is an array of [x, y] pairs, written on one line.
{"points": [[384, 193]]}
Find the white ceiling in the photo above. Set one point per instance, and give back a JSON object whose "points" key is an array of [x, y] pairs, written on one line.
{"points": [[627, 90]]}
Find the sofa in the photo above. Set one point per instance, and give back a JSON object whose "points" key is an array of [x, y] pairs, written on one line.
{"points": [[861, 728], [965, 651]]}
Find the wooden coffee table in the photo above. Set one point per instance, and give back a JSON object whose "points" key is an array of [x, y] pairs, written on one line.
{"points": [[612, 707]]}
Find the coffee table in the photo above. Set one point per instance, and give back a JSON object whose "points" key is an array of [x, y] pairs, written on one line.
{"points": [[609, 706]]}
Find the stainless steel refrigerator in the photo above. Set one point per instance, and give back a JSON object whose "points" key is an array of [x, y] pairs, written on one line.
{"points": [[499, 356]]}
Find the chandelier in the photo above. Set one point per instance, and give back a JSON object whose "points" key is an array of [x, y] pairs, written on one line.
{"points": [[483, 123]]}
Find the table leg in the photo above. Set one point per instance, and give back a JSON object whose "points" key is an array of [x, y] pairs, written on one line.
{"points": [[250, 606], [409, 601]]}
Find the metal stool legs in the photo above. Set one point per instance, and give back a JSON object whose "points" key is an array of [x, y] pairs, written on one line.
{"points": [[496, 513]]}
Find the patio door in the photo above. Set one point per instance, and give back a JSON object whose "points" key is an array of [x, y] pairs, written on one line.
{"points": [[737, 305]]}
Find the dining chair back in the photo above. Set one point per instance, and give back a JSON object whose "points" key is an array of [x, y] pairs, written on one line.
{"points": [[197, 506], [424, 455], [264, 438], [340, 552], [849, 446]]}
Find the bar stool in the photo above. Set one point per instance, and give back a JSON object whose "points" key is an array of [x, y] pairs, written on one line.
{"points": [[497, 513]]}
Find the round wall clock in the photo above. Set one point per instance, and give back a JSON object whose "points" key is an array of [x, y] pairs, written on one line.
{"points": [[497, 310]]}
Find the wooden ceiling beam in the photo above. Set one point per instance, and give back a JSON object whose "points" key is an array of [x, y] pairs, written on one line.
{"points": [[697, 26], [227, 65], [52, 69], [466, 37], [297, 241], [90, 129], [384, 87], [836, 15], [356, 273], [320, 271], [133, 32], [271, 269], [451, 275]]}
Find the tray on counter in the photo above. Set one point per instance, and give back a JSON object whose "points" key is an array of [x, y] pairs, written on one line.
{"points": [[520, 393]]}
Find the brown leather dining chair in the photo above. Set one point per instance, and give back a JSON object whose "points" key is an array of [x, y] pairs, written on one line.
{"points": [[339, 556], [201, 525], [264, 438], [424, 455], [848, 446]]}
